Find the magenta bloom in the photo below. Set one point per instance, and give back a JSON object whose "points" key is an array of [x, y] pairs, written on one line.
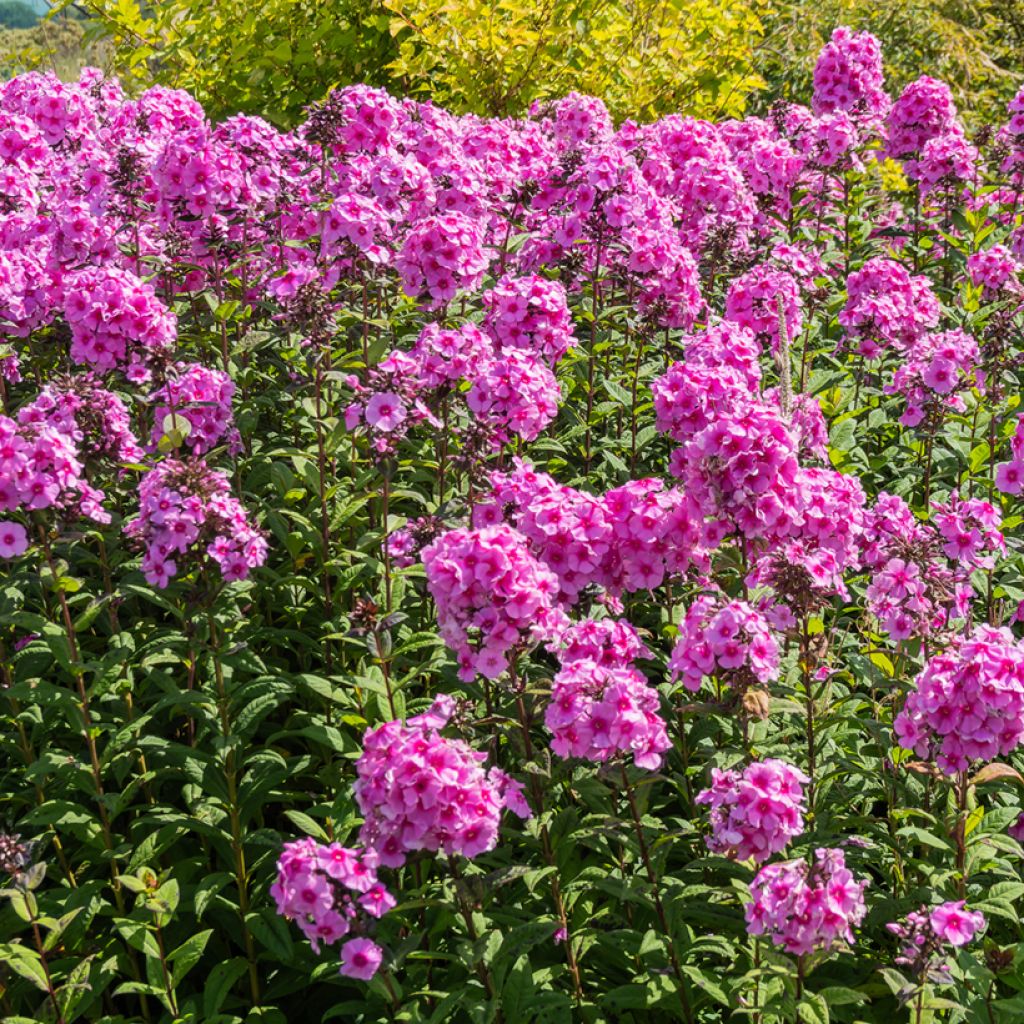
{"points": [[597, 711], [419, 790], [926, 934], [491, 594], [803, 906], [385, 411], [1016, 830], [13, 540], [728, 639], [326, 890], [360, 959], [955, 925], [756, 812], [968, 702], [848, 75]]}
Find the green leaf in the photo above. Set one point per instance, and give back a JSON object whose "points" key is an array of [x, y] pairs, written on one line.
{"points": [[185, 957]]}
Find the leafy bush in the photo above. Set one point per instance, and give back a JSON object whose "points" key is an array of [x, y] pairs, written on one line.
{"points": [[511, 570], [643, 58], [273, 60]]}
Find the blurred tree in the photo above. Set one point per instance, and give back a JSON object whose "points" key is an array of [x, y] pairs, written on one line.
{"points": [[14, 14]]}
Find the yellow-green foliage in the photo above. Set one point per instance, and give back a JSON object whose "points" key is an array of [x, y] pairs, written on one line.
{"points": [[643, 57], [271, 57]]}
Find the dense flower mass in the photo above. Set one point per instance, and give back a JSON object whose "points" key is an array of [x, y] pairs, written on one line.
{"points": [[754, 812], [351, 472], [202, 398], [766, 301], [93, 418], [40, 470], [419, 790], [530, 313], [887, 306], [441, 256], [849, 75], [115, 319], [803, 906]]}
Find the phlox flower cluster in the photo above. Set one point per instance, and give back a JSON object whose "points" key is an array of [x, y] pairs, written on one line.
{"points": [[419, 790], [756, 811], [492, 596], [40, 470], [613, 643], [805, 906], [741, 470], [941, 366], [769, 162], [202, 397], [913, 591], [580, 120], [187, 513], [923, 111], [446, 356], [1010, 475], [970, 528], [597, 711], [26, 291], [968, 702], [530, 313], [945, 161], [730, 640], [926, 936], [566, 529], [115, 318], [655, 534], [95, 419], [720, 369], [441, 256], [753, 301], [803, 579], [627, 539], [831, 141], [831, 513], [806, 569], [717, 208], [887, 306], [329, 891], [994, 270], [514, 394], [848, 75]]}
